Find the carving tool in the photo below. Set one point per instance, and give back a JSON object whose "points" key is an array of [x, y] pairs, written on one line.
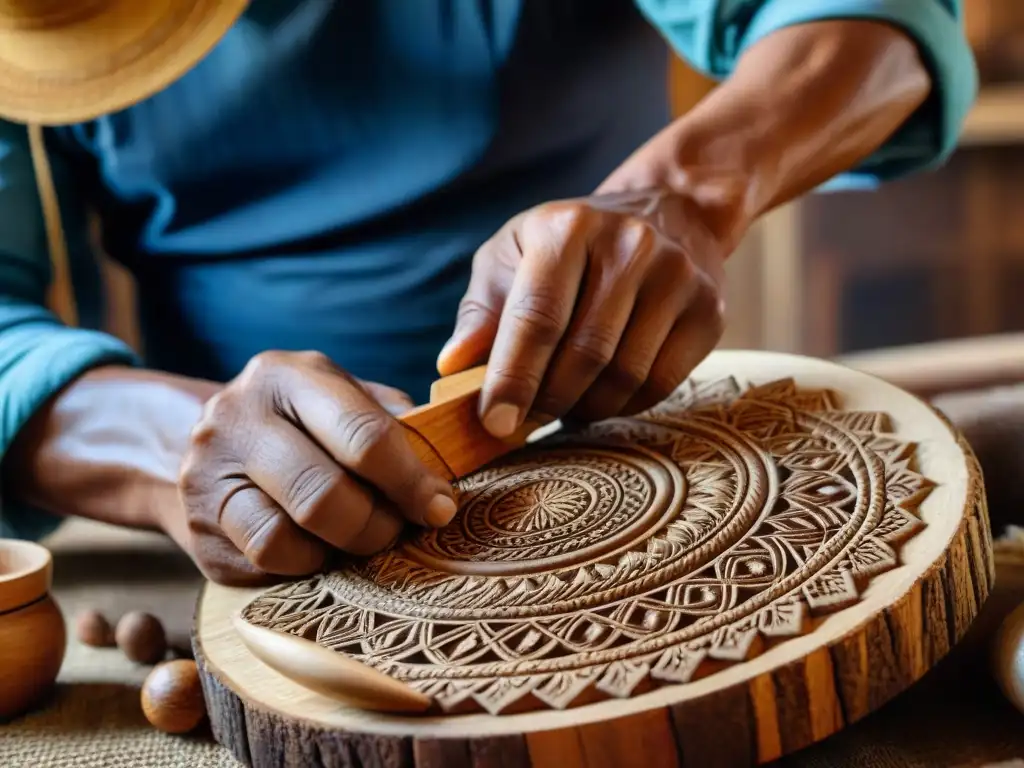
{"points": [[447, 433]]}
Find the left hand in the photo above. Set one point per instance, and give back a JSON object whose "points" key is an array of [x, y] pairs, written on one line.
{"points": [[590, 308]]}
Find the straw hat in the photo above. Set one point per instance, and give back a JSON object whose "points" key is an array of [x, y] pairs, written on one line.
{"points": [[68, 61]]}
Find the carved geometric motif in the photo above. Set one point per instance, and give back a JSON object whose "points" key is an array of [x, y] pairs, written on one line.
{"points": [[640, 552]]}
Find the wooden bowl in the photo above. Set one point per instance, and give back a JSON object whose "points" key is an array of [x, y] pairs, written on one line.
{"points": [[32, 629]]}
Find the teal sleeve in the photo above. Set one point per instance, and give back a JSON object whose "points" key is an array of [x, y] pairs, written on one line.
{"points": [[38, 354], [713, 34]]}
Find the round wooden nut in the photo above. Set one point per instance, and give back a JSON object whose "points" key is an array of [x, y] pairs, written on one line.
{"points": [[172, 697], [141, 638], [92, 628], [1008, 657]]}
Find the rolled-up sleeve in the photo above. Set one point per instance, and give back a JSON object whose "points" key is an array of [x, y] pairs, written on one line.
{"points": [[713, 34], [38, 354]]}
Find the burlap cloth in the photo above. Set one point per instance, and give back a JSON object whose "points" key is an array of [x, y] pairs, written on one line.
{"points": [[955, 716]]}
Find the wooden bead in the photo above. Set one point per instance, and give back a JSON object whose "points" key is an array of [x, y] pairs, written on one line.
{"points": [[1008, 657], [141, 638], [172, 697], [92, 628]]}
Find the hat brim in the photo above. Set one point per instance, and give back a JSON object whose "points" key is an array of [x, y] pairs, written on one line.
{"points": [[106, 61]]}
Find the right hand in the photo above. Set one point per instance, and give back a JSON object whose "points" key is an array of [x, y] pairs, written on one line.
{"points": [[295, 458]]}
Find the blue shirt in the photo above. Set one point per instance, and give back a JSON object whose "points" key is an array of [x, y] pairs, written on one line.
{"points": [[323, 177]]}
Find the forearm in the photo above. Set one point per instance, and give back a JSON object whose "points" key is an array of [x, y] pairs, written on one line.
{"points": [[803, 104], [108, 447]]}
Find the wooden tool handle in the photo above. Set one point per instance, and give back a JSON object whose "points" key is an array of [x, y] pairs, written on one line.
{"points": [[447, 433]]}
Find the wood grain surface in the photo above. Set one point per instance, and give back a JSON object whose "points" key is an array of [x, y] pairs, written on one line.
{"points": [[785, 695]]}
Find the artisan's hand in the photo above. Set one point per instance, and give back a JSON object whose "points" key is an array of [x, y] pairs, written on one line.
{"points": [[295, 458], [590, 308]]}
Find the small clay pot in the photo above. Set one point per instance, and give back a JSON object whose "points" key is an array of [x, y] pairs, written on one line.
{"points": [[32, 629]]}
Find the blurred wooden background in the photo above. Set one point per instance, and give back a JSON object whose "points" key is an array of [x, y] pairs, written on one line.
{"points": [[935, 257]]}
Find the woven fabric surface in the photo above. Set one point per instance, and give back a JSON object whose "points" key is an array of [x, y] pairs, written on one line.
{"points": [[94, 719], [954, 717]]}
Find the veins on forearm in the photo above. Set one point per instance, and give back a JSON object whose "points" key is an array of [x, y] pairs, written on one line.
{"points": [[804, 104]]}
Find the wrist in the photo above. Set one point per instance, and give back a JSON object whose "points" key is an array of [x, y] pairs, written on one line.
{"points": [[108, 448], [695, 166], [678, 187]]}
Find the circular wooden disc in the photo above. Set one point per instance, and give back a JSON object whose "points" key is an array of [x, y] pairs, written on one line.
{"points": [[791, 544]]}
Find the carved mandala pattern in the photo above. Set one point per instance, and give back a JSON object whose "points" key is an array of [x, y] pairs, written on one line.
{"points": [[636, 554], [557, 508]]}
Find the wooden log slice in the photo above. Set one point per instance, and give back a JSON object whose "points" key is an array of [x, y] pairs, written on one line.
{"points": [[770, 555]]}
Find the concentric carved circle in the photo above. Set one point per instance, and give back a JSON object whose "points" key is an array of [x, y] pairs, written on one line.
{"points": [[554, 510], [628, 557], [545, 503]]}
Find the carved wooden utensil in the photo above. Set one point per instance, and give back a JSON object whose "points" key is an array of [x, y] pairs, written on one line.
{"points": [[448, 437], [331, 674]]}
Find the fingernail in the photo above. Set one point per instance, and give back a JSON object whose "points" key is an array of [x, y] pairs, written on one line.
{"points": [[440, 511], [502, 420]]}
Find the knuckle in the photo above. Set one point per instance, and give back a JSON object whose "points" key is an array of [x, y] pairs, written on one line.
{"points": [[202, 524], [218, 408], [564, 215], [192, 480], [637, 238], [203, 434], [221, 414], [541, 317], [265, 541], [365, 433], [309, 494], [263, 364], [496, 249], [516, 385], [313, 358], [684, 272], [472, 309], [572, 215], [626, 375], [594, 345], [190, 483]]}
